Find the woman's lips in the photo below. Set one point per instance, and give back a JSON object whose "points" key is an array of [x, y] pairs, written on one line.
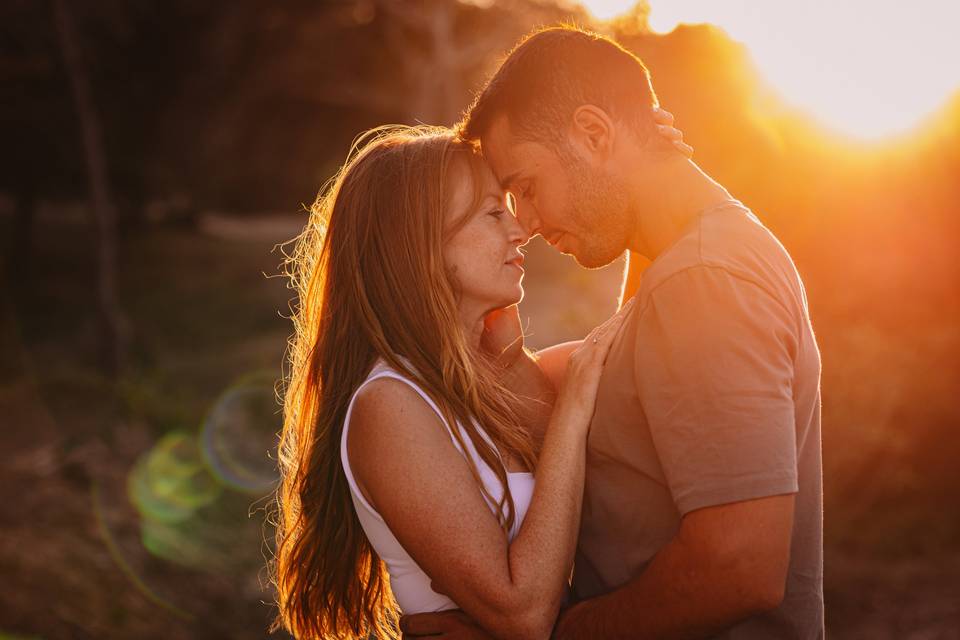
{"points": [[516, 262]]}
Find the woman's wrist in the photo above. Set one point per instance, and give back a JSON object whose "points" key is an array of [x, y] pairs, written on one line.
{"points": [[573, 411]]}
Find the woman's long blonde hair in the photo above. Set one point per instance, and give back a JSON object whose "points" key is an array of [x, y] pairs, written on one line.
{"points": [[369, 273]]}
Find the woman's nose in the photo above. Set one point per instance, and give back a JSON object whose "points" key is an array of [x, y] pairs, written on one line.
{"points": [[528, 220], [517, 232]]}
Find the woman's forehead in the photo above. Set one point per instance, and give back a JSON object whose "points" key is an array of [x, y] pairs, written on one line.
{"points": [[472, 182]]}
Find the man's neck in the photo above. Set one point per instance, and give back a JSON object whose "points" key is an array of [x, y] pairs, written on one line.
{"points": [[669, 194]]}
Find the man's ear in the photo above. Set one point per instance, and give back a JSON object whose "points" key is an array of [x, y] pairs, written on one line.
{"points": [[593, 129]]}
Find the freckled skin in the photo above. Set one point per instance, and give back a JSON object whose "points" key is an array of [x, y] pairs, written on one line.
{"points": [[479, 252], [406, 464]]}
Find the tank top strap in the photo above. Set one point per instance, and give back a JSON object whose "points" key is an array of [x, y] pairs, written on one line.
{"points": [[381, 370]]}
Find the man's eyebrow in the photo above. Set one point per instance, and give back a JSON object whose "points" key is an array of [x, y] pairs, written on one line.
{"points": [[506, 182]]}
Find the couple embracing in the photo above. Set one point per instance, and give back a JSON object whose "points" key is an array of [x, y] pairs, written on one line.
{"points": [[660, 478]]}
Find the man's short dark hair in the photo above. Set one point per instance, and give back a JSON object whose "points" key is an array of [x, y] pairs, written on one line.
{"points": [[552, 72]]}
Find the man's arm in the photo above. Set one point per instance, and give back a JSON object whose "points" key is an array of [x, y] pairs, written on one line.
{"points": [[727, 563]]}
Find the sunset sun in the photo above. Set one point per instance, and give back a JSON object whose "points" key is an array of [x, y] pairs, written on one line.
{"points": [[864, 68]]}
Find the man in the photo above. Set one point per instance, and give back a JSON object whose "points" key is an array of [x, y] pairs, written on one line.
{"points": [[702, 510]]}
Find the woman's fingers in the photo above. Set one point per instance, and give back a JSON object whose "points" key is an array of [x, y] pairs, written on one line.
{"points": [[621, 314], [610, 329], [601, 338]]}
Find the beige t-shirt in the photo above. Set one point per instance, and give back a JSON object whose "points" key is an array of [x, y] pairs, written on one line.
{"points": [[710, 395]]}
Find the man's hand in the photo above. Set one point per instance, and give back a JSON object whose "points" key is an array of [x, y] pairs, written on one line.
{"points": [[451, 625]]}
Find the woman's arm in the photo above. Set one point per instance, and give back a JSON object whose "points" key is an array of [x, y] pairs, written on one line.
{"points": [[423, 489], [407, 466]]}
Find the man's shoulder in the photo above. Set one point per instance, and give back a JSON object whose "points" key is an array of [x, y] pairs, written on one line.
{"points": [[730, 238]]}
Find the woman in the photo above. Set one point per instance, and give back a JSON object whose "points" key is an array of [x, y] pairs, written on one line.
{"points": [[407, 461]]}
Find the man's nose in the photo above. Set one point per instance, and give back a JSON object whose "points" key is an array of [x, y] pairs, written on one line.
{"points": [[528, 219]]}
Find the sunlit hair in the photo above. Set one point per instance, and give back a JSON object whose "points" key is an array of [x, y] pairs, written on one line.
{"points": [[369, 273], [553, 71]]}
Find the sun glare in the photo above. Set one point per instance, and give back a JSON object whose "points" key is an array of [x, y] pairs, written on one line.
{"points": [[866, 68], [608, 9]]}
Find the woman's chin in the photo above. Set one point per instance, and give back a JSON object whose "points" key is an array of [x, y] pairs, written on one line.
{"points": [[509, 297], [517, 296]]}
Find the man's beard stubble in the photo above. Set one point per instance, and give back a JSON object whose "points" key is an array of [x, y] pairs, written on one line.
{"points": [[599, 207]]}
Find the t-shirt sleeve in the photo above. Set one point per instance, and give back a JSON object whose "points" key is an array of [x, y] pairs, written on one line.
{"points": [[714, 357]]}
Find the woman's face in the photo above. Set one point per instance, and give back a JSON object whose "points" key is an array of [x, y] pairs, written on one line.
{"points": [[484, 253]]}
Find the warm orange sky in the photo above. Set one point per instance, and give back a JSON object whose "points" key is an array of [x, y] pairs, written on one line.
{"points": [[864, 68]]}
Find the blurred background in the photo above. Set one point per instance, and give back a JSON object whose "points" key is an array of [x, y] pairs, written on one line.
{"points": [[156, 153]]}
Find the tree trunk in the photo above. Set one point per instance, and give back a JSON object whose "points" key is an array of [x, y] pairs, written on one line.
{"points": [[112, 325]]}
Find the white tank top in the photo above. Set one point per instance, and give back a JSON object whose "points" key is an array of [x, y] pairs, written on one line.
{"points": [[410, 585]]}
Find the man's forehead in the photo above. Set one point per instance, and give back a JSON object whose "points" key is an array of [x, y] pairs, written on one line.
{"points": [[506, 155]]}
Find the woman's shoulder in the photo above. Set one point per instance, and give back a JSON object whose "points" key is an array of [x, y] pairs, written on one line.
{"points": [[392, 416], [389, 390], [390, 397]]}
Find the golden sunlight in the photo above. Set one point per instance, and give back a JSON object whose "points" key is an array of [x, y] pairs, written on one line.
{"points": [[866, 68], [608, 9]]}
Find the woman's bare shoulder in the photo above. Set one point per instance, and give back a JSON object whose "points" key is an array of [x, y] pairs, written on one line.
{"points": [[391, 420]]}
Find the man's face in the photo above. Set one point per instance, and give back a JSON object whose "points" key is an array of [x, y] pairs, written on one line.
{"points": [[574, 202]]}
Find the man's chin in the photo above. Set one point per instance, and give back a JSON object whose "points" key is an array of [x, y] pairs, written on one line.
{"points": [[593, 259]]}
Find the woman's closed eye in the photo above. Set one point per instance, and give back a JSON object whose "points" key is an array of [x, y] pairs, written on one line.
{"points": [[497, 213]]}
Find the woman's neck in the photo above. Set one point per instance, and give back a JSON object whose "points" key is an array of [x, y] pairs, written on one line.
{"points": [[471, 320]]}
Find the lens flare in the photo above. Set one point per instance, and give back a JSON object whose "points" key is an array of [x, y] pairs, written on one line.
{"points": [[192, 490], [170, 482], [240, 433], [117, 555]]}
